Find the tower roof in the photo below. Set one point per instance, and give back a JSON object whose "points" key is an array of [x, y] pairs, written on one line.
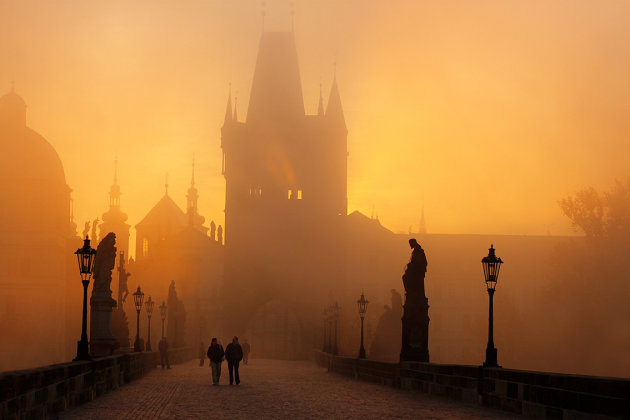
{"points": [[165, 212], [334, 110], [276, 89]]}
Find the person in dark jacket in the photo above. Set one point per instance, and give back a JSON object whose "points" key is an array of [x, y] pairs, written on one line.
{"points": [[234, 354], [163, 347], [215, 354]]}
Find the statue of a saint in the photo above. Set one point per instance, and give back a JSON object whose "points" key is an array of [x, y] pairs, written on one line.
{"points": [[413, 279]]}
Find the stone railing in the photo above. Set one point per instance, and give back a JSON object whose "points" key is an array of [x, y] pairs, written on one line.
{"points": [[46, 391], [531, 394], [179, 355]]}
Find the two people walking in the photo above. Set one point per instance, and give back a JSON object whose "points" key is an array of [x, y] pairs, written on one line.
{"points": [[233, 354]]}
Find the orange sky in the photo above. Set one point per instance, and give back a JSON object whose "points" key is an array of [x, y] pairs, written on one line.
{"points": [[489, 111]]}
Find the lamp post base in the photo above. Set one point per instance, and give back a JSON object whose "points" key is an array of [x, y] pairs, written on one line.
{"points": [[491, 358], [83, 352], [362, 353], [136, 345]]}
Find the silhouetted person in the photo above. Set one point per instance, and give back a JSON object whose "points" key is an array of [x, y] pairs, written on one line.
{"points": [[215, 354], [234, 354], [163, 348], [246, 349], [202, 353]]}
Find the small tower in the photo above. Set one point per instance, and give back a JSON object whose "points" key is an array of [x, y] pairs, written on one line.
{"points": [[114, 220], [195, 220]]}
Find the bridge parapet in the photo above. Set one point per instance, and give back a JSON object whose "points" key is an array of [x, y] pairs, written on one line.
{"points": [[527, 393], [46, 391]]}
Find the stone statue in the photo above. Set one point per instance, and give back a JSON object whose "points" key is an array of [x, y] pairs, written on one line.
{"points": [[213, 230], [385, 344], [120, 325], [94, 235], [86, 229], [415, 320], [102, 342], [123, 275], [220, 234]]}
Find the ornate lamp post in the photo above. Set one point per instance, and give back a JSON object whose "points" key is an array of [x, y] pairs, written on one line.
{"points": [[491, 266], [138, 297], [325, 315], [362, 304], [335, 313], [149, 304], [163, 309], [85, 257]]}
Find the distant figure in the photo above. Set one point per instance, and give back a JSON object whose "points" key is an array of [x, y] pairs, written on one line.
{"points": [[246, 349], [220, 236], [213, 230], [215, 354], [86, 229], [94, 226], [234, 354], [163, 348], [202, 353]]}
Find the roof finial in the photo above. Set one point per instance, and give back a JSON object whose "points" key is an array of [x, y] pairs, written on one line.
{"points": [[264, 4], [166, 184]]}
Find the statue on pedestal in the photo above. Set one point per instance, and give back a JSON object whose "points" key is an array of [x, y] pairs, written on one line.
{"points": [[415, 320], [102, 342], [120, 325]]}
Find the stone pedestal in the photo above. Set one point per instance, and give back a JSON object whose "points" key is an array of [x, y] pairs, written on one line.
{"points": [[415, 330], [102, 341]]}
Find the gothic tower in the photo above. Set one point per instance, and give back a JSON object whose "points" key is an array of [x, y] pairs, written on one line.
{"points": [[114, 220], [285, 205]]}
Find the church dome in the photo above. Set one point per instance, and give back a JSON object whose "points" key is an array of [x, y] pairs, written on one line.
{"points": [[26, 156]]}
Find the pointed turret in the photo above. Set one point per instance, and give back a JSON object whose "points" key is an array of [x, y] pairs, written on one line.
{"points": [[195, 220], [276, 93], [320, 107], [334, 110]]}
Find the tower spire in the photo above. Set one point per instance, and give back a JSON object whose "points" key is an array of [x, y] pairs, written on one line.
{"points": [[235, 118], [334, 110], [166, 185], [320, 107]]}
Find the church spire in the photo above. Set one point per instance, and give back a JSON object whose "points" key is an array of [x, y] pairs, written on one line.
{"points": [[228, 108], [334, 110], [320, 107], [423, 225], [192, 198], [114, 191]]}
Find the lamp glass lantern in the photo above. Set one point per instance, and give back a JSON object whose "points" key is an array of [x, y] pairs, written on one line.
{"points": [[491, 267], [163, 309], [138, 297], [362, 304], [85, 258], [149, 305]]}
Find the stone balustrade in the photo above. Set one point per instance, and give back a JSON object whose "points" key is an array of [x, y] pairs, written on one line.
{"points": [[531, 394]]}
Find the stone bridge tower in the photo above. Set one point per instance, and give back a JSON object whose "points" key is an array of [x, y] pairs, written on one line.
{"points": [[285, 206]]}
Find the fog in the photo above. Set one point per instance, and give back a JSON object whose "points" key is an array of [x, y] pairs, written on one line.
{"points": [[478, 118]]}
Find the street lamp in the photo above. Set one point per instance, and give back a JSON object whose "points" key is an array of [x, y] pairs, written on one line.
{"points": [[335, 313], [325, 315], [138, 297], [149, 304], [362, 304], [163, 312], [85, 257], [491, 266]]}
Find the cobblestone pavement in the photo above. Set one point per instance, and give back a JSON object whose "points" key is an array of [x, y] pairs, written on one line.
{"points": [[268, 389]]}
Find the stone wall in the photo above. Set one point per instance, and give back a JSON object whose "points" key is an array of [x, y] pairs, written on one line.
{"points": [[532, 394], [46, 391]]}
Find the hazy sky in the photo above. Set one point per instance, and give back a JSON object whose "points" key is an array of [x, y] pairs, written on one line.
{"points": [[489, 111]]}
